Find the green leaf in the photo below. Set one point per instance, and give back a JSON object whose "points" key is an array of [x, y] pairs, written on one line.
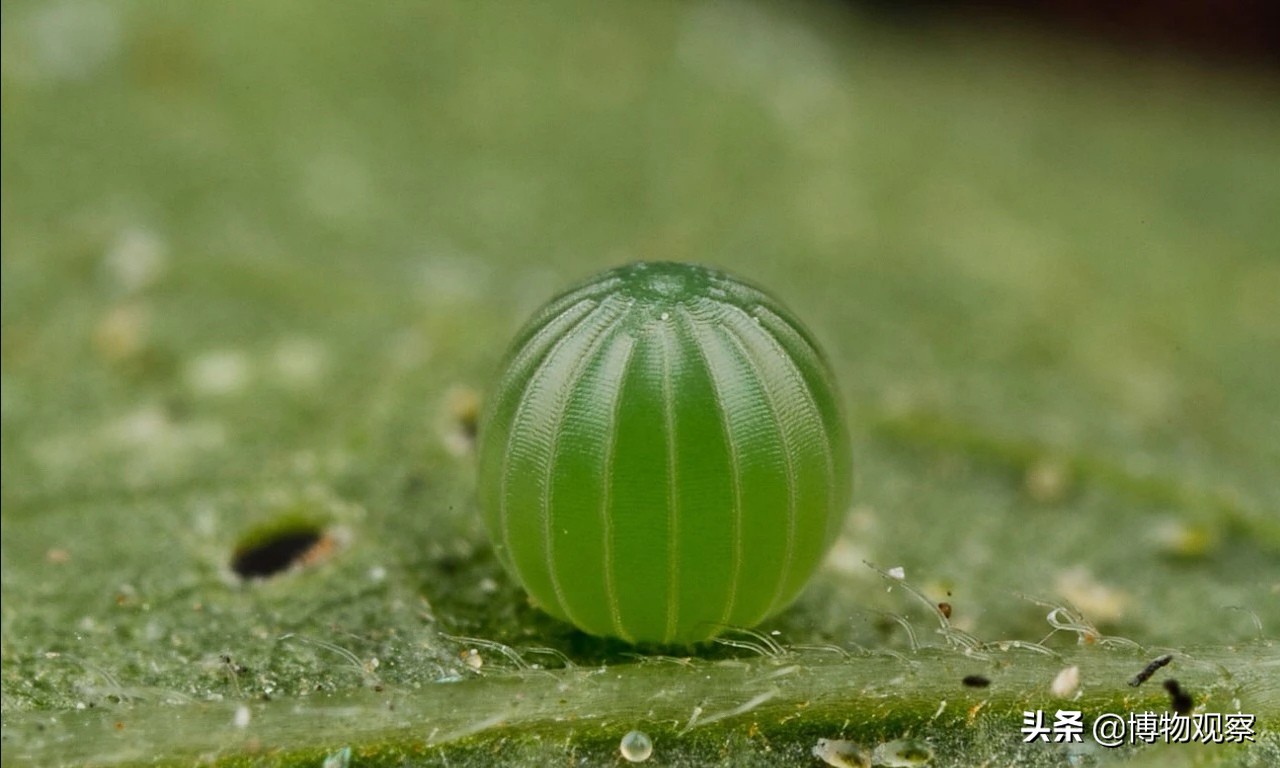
{"points": [[259, 268]]}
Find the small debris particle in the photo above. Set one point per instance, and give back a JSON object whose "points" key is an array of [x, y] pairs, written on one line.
{"points": [[1066, 682], [324, 548], [242, 717], [902, 753], [897, 572], [841, 754], [57, 556], [945, 609], [1179, 700], [221, 372], [472, 658], [136, 258], [976, 681], [460, 420], [121, 333], [1181, 540], [1150, 669], [1047, 481], [636, 747]]}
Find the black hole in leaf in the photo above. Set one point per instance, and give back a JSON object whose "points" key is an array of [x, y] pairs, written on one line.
{"points": [[270, 553]]}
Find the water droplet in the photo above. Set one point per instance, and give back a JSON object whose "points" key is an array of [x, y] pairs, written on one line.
{"points": [[636, 746]]}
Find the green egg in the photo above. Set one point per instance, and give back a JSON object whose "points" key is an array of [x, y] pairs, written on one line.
{"points": [[664, 455]]}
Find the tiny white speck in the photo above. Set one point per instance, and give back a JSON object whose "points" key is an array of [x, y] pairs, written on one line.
{"points": [[665, 316], [242, 717], [136, 258], [1066, 682], [897, 572], [377, 574], [221, 372], [154, 632], [145, 425], [300, 361]]}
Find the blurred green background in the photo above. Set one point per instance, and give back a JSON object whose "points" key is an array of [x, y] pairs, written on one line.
{"points": [[261, 260]]}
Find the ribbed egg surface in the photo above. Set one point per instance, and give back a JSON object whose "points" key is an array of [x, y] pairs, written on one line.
{"points": [[664, 456]]}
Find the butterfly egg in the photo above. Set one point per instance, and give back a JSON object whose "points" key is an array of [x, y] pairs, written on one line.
{"points": [[664, 455]]}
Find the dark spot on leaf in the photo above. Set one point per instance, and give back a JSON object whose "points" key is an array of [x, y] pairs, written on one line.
{"points": [[177, 408], [462, 411], [468, 423], [449, 565], [1179, 700], [414, 484], [267, 552], [976, 681]]}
